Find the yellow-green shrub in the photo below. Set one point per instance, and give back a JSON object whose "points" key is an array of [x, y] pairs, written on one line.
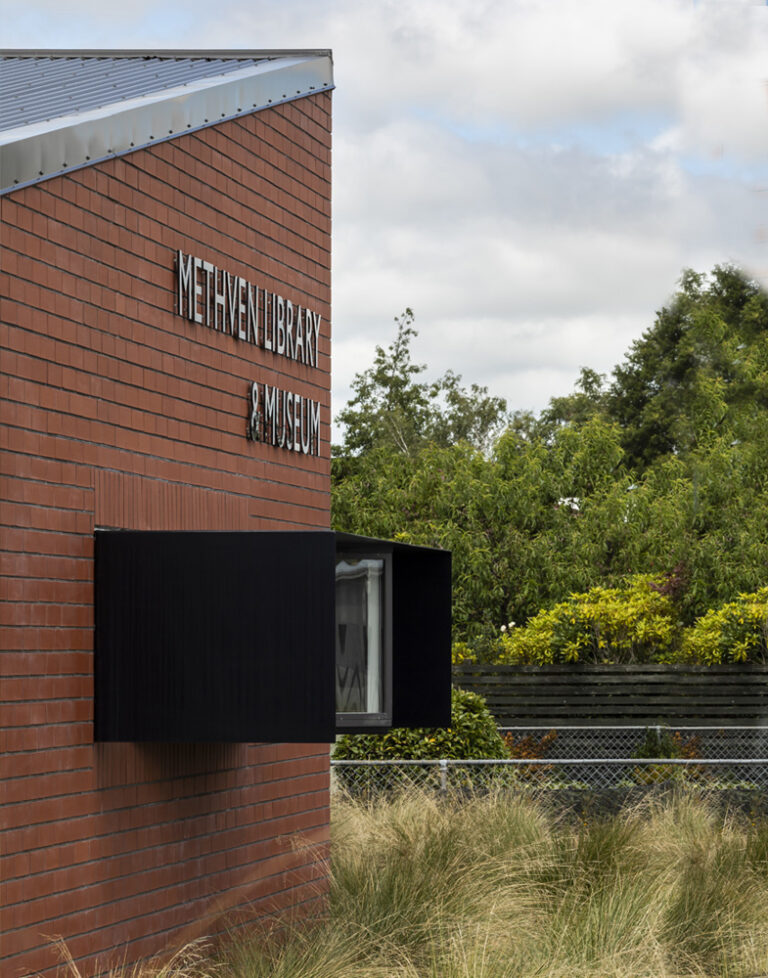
{"points": [[461, 653], [735, 632], [632, 623]]}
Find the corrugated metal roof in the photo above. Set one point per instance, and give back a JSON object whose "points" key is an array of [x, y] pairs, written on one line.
{"points": [[60, 110], [44, 88]]}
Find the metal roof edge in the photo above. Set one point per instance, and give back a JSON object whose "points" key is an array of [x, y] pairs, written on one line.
{"points": [[217, 53], [30, 154]]}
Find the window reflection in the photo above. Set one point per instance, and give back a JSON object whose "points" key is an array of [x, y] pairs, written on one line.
{"points": [[359, 634]]}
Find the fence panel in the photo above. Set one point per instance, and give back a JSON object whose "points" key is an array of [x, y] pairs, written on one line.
{"points": [[610, 695], [736, 783]]}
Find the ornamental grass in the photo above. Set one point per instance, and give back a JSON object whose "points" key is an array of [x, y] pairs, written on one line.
{"points": [[500, 887]]}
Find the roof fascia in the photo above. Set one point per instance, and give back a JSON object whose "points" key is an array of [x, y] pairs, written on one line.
{"points": [[223, 54], [32, 153]]}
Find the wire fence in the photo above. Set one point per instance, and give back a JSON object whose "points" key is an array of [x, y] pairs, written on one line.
{"points": [[571, 765], [744, 781], [575, 743]]}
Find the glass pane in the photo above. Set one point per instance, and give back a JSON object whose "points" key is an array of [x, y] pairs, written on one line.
{"points": [[359, 634]]}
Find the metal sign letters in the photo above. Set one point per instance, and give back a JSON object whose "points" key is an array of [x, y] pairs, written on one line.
{"points": [[214, 298]]}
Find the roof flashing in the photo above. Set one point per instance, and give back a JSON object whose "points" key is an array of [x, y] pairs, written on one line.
{"points": [[239, 85], [177, 54]]}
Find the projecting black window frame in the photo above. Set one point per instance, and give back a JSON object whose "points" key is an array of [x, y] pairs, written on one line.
{"points": [[226, 637], [223, 637], [419, 640], [369, 719]]}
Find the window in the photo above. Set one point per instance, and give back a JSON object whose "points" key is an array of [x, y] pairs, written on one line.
{"points": [[363, 639]]}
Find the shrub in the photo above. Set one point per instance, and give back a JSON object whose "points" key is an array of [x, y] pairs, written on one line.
{"points": [[735, 632], [529, 747], [471, 735], [632, 623], [461, 653], [659, 742]]}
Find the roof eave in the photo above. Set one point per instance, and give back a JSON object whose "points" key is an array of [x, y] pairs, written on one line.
{"points": [[30, 154], [182, 54]]}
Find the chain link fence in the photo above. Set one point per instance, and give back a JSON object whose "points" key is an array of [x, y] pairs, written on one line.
{"points": [[743, 781], [587, 766], [729, 743]]}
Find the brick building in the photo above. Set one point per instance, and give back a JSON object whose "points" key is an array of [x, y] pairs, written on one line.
{"points": [[165, 225]]}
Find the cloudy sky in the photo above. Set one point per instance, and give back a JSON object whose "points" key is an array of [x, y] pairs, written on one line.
{"points": [[530, 176]]}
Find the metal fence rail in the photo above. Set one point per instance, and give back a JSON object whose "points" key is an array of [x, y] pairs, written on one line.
{"points": [[571, 742], [747, 776]]}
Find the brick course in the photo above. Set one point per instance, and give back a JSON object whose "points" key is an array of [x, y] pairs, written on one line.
{"points": [[115, 411]]}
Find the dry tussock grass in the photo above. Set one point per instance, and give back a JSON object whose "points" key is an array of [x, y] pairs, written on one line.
{"points": [[495, 887]]}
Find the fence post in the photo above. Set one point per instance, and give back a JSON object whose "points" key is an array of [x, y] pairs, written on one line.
{"points": [[443, 774]]}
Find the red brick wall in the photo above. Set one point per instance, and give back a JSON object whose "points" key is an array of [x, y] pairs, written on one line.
{"points": [[115, 411]]}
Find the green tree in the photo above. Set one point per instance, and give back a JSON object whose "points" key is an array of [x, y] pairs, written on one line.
{"points": [[661, 471], [699, 372], [392, 407], [587, 400], [389, 406]]}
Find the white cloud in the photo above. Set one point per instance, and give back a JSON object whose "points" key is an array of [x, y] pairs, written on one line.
{"points": [[531, 176]]}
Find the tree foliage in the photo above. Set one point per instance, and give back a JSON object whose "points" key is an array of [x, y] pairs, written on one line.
{"points": [[699, 373], [696, 374], [393, 408], [659, 470]]}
